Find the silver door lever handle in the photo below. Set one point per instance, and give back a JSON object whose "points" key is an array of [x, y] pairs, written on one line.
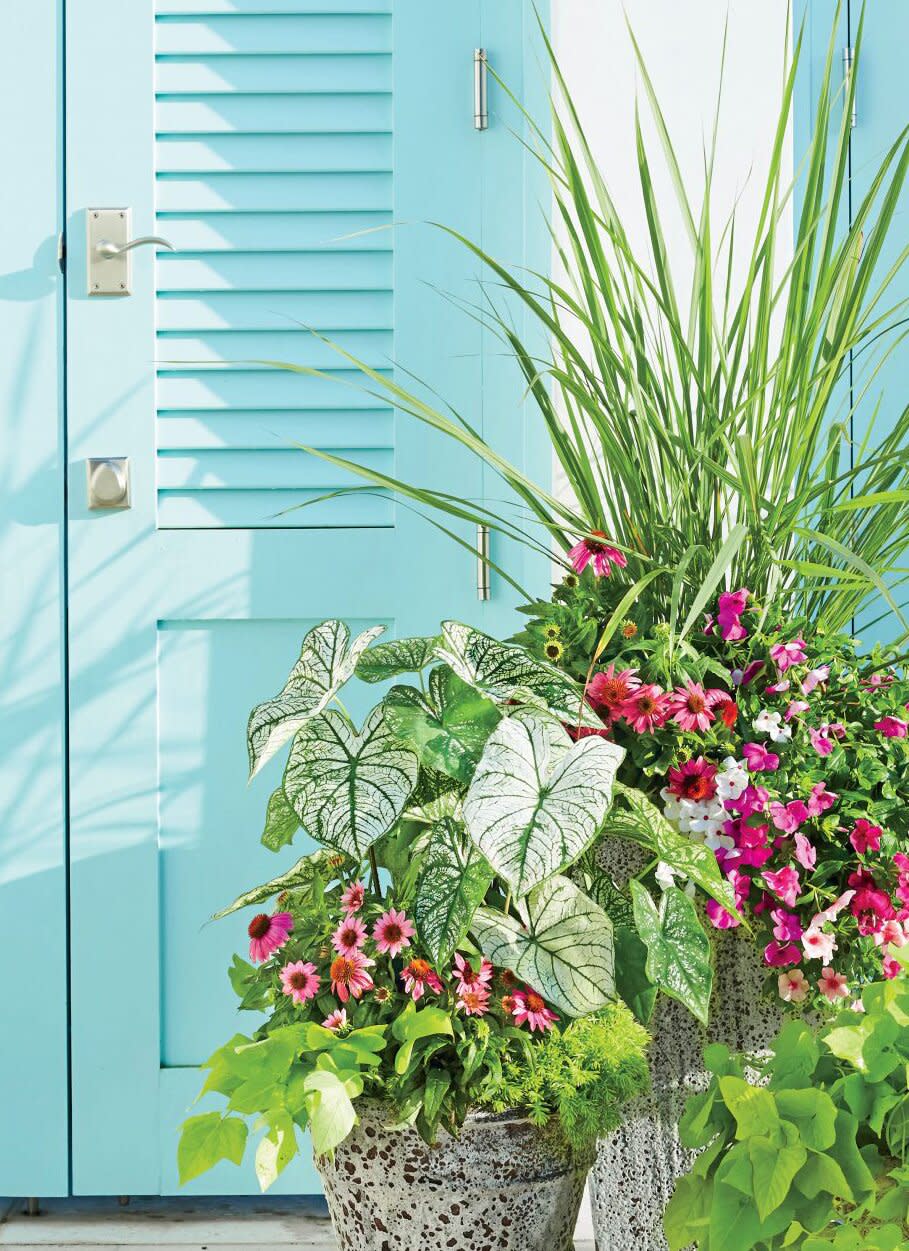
{"points": [[107, 250]]}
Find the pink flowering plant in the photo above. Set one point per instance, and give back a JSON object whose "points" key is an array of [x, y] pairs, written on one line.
{"points": [[438, 949], [776, 746]]}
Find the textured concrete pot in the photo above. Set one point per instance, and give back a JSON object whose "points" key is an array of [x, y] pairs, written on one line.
{"points": [[637, 1167], [502, 1185]]}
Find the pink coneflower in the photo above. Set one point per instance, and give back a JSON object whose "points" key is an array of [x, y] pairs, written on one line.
{"points": [[352, 899], [694, 780], [609, 690], [865, 837], [267, 934], [469, 978], [785, 655], [392, 932], [300, 981], [597, 549], [531, 1008], [793, 986], [646, 710], [691, 707], [336, 1020], [730, 607], [349, 977], [891, 727], [833, 985], [349, 937], [418, 977], [473, 1001]]}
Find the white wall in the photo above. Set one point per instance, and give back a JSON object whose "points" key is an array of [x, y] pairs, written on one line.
{"points": [[682, 42]]}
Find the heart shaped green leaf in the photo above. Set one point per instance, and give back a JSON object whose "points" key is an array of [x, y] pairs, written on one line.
{"points": [[448, 728], [450, 888], [281, 822], [327, 660], [562, 946], [296, 877], [678, 950], [395, 657], [537, 800], [500, 669], [349, 789]]}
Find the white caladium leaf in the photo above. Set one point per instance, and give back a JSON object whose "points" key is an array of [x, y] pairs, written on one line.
{"points": [[453, 883], [501, 669], [537, 800], [349, 788], [562, 948], [327, 660], [396, 656]]}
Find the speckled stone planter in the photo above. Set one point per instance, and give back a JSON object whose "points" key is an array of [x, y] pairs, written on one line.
{"points": [[637, 1167], [502, 1185]]}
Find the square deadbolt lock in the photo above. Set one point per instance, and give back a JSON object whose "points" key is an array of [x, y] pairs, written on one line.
{"points": [[108, 481]]}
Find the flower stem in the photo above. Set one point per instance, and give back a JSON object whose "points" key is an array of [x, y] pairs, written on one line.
{"points": [[374, 872]]}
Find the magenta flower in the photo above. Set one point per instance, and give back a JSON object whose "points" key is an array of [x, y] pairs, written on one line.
{"points": [[793, 986], [730, 607], [814, 678], [719, 917], [891, 967], [865, 837], [759, 759], [349, 977], [300, 981], [694, 780], [785, 655], [418, 977], [742, 677], [646, 710], [469, 978], [268, 934], [352, 899], [779, 955], [788, 817], [596, 549], [784, 883], [891, 727], [530, 1007], [392, 933], [833, 985], [787, 927], [821, 800], [609, 690], [691, 707], [349, 937], [473, 1001], [820, 740]]}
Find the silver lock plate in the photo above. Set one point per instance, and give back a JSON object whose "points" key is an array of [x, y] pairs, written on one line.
{"points": [[108, 481], [108, 275]]}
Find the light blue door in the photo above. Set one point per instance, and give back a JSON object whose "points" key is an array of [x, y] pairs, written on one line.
{"points": [[274, 143]]}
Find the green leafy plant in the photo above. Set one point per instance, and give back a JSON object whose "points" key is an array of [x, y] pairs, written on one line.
{"points": [[816, 1158]]}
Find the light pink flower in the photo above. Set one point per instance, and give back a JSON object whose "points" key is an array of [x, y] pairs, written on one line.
{"points": [[268, 934], [818, 945], [530, 1007], [891, 934], [473, 1001], [865, 837], [646, 710], [814, 678], [418, 977], [785, 655], [691, 707], [597, 549], [795, 709], [805, 852], [891, 727], [820, 740], [336, 1020], [467, 977], [349, 937], [788, 817], [793, 986], [833, 985], [392, 933], [784, 883], [891, 967], [349, 977], [821, 799], [831, 913], [300, 981], [759, 759], [730, 607], [352, 899], [779, 688]]}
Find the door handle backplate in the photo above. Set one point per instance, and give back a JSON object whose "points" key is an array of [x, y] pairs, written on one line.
{"points": [[109, 248]]}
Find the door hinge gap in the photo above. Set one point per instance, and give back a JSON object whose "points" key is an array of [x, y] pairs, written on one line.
{"points": [[61, 251]]}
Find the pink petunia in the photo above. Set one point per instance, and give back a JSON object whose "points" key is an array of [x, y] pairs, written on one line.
{"points": [[891, 934], [300, 981], [785, 655], [349, 937], [805, 852], [814, 678], [336, 1020], [730, 607], [834, 910], [268, 934], [865, 837], [349, 977], [691, 707], [646, 710], [891, 727], [352, 899], [418, 977], [780, 955], [597, 549], [793, 986], [759, 759], [530, 1007], [784, 883], [392, 933], [833, 985]]}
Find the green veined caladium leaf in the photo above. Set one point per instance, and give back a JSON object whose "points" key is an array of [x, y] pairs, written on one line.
{"points": [[564, 951], [349, 788], [281, 822], [678, 950], [395, 657], [452, 885], [448, 728], [500, 669], [634, 817], [327, 660], [537, 800], [299, 875]]}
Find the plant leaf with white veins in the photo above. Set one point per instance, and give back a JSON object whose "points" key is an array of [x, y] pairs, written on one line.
{"points": [[448, 727], [300, 874], [451, 886], [348, 789], [565, 952], [537, 800], [327, 660], [394, 657], [500, 669]]}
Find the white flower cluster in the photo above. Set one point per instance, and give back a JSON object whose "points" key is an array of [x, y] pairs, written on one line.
{"points": [[703, 820], [770, 723]]}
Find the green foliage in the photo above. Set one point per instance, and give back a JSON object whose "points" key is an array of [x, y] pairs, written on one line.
{"points": [[678, 950], [814, 1158]]}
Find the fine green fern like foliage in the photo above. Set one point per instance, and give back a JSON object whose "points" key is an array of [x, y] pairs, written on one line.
{"points": [[584, 1075]]}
